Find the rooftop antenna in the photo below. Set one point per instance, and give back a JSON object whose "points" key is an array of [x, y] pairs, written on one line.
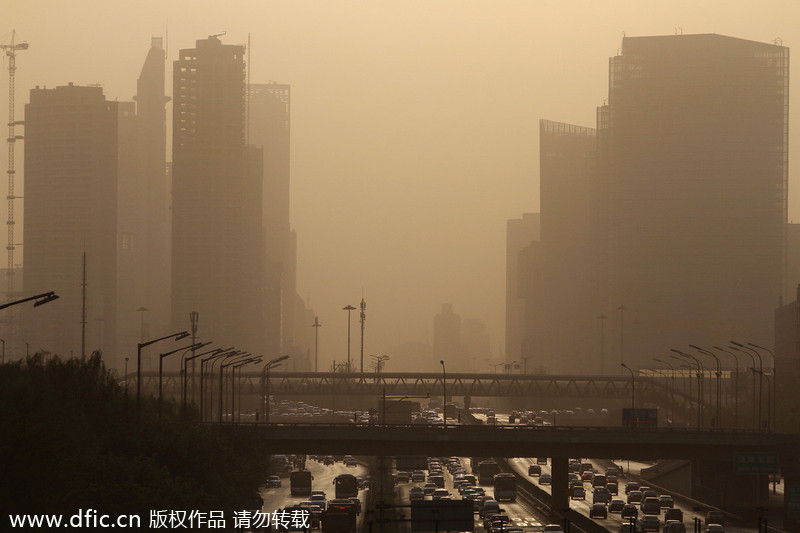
{"points": [[218, 34]]}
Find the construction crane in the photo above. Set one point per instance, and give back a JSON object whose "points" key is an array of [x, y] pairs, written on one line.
{"points": [[11, 52]]}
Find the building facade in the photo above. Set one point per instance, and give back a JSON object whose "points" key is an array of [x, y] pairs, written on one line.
{"points": [[71, 162], [217, 227]]}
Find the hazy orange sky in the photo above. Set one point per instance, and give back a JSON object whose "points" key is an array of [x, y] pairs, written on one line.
{"points": [[414, 123]]}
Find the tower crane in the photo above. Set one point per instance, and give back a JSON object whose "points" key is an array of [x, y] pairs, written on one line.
{"points": [[11, 52]]}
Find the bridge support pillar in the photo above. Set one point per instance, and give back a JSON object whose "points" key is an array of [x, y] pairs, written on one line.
{"points": [[715, 482], [559, 468]]}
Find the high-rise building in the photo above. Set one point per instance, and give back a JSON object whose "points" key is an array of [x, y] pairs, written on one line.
{"points": [[218, 235], [520, 232], [447, 337], [269, 125], [71, 160], [695, 179], [671, 230]]}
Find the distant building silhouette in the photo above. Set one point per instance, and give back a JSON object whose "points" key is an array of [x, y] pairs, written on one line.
{"points": [[144, 216], [520, 232], [71, 162], [218, 233], [269, 127], [680, 215], [447, 337]]}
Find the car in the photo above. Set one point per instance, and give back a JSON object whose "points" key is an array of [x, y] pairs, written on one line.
{"points": [[553, 528], [319, 499], [429, 488], [488, 506], [627, 528], [577, 493], [650, 493], [629, 511], [273, 481], [616, 506], [598, 510], [418, 476], [350, 461], [416, 493], [601, 495], [649, 522], [674, 526], [438, 494], [357, 504], [613, 488], [541, 460], [402, 477], [715, 528], [666, 501], [632, 485], [535, 470], [715, 517], [651, 506], [673, 513], [496, 522], [545, 479], [635, 496]]}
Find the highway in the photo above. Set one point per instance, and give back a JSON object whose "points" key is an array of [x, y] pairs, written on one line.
{"points": [[279, 498]]}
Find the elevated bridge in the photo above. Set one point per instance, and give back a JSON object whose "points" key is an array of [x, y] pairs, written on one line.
{"points": [[545, 386]]}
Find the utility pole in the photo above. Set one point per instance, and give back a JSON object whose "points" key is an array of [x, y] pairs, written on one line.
{"points": [[363, 319], [316, 325], [83, 309], [194, 317], [348, 308]]}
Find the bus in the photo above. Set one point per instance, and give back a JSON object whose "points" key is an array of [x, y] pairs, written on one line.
{"points": [[300, 482], [346, 486], [505, 487], [486, 472]]}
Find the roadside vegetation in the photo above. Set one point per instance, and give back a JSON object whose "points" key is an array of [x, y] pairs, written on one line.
{"points": [[68, 441]]}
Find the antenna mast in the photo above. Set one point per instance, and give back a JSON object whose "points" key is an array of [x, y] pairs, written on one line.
{"points": [[11, 52]]}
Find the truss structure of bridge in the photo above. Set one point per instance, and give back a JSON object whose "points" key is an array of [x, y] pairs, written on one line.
{"points": [[396, 384]]}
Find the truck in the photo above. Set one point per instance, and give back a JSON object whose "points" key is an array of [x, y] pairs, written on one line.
{"points": [[487, 471], [300, 483], [505, 487], [340, 516], [279, 465], [346, 486]]}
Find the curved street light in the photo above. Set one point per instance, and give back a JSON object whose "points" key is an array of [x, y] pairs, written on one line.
{"points": [[273, 363], [444, 393], [774, 383], [633, 388], [735, 385], [760, 373], [700, 373], [717, 419]]}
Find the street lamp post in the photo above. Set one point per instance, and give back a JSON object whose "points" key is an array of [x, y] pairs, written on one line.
{"points": [[735, 385], [222, 367], [633, 388], [444, 393], [161, 371], [774, 383], [672, 393], [602, 318], [672, 382], [185, 369], [700, 373], [176, 336], [621, 310], [760, 378], [316, 325], [265, 377], [718, 396], [211, 358], [363, 316], [239, 365], [348, 308], [754, 371]]}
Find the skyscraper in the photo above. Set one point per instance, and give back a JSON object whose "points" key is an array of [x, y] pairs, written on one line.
{"points": [[269, 128], [218, 236], [695, 178], [71, 164], [673, 225], [520, 232]]}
